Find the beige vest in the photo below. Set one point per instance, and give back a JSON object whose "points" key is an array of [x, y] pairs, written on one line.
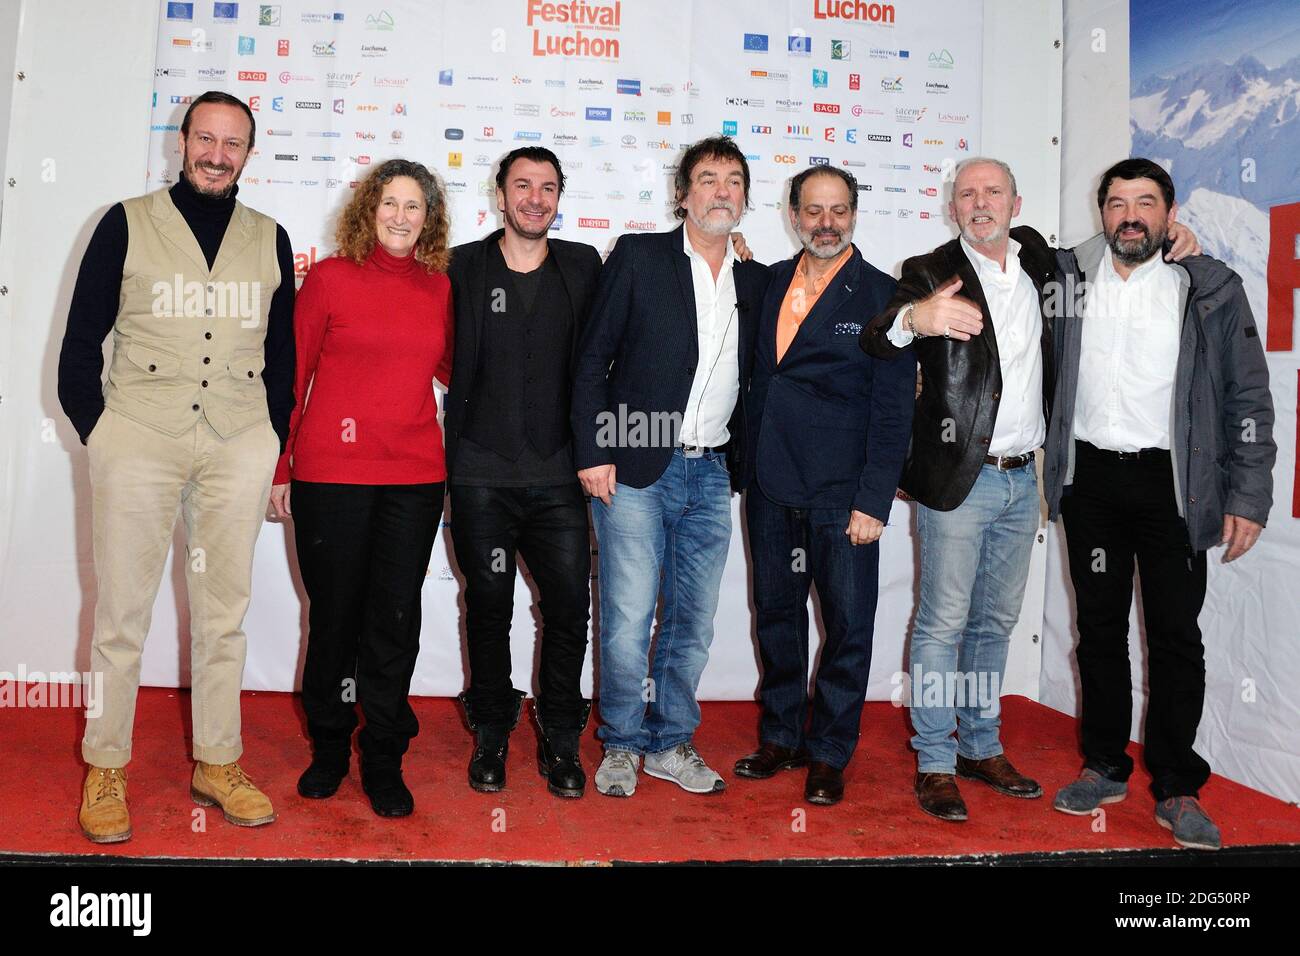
{"points": [[188, 340]]}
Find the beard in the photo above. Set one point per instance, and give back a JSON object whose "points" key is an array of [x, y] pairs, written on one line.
{"points": [[842, 240], [525, 230], [997, 235], [192, 173], [715, 227], [1132, 252]]}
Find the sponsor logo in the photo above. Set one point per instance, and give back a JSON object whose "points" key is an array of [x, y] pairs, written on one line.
{"points": [[909, 114], [599, 114], [322, 159], [593, 142], [798, 132], [325, 133], [895, 189], [287, 157], [556, 111], [756, 42], [372, 50], [927, 191], [180, 11], [225, 11], [749, 101], [251, 76], [904, 214], [663, 89], [629, 116], [189, 99], [578, 17], [853, 10], [798, 45], [391, 82], [628, 142], [828, 134], [930, 167], [531, 109], [528, 134], [453, 132], [211, 73], [445, 77], [247, 46], [891, 84], [936, 88], [879, 138], [454, 160], [268, 15], [781, 76], [279, 132], [826, 107], [940, 60], [164, 127], [558, 224], [287, 77], [341, 80], [729, 128], [174, 73], [960, 118], [784, 159], [821, 79], [762, 130], [856, 162], [819, 160], [399, 109], [840, 50], [281, 47], [789, 106], [645, 195], [640, 225], [324, 48], [907, 140], [630, 87], [924, 215], [931, 142], [855, 81], [383, 20], [364, 135], [660, 144], [962, 144], [585, 222], [277, 104]]}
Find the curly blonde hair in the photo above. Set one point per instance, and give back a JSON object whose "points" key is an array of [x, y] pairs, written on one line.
{"points": [[355, 234]]}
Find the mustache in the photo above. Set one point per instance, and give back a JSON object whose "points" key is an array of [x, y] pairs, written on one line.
{"points": [[212, 167], [1133, 224]]}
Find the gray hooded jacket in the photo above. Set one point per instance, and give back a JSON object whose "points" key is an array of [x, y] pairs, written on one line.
{"points": [[1221, 426]]}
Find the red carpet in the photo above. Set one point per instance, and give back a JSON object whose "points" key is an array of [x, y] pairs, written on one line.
{"points": [[752, 820]]}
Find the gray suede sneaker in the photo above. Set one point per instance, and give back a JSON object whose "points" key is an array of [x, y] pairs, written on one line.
{"points": [[1191, 824], [686, 768], [1089, 792], [616, 776]]}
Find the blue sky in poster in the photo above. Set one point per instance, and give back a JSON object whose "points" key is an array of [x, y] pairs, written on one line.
{"points": [[1167, 36]]}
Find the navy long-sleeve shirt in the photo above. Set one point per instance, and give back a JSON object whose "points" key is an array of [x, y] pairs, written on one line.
{"points": [[95, 302]]}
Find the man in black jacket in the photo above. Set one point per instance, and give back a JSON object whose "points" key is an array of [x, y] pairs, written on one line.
{"points": [[659, 430], [521, 300]]}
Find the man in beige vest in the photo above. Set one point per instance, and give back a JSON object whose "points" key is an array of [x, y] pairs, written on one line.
{"points": [[197, 290]]}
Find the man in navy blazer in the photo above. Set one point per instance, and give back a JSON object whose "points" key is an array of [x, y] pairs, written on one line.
{"points": [[659, 430], [829, 427]]}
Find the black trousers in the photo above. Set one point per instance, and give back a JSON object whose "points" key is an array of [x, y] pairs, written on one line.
{"points": [[363, 551], [1115, 512], [548, 527]]}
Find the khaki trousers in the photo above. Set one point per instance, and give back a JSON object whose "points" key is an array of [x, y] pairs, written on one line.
{"points": [[140, 478]]}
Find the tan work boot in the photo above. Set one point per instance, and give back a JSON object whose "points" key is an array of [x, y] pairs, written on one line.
{"points": [[103, 816], [226, 786]]}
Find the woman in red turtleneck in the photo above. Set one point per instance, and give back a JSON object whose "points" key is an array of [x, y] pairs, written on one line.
{"points": [[373, 329]]}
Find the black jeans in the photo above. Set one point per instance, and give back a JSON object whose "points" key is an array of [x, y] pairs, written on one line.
{"points": [[1114, 512], [548, 527], [363, 551]]}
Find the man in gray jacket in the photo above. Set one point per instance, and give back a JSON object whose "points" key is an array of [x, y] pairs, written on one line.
{"points": [[1160, 447]]}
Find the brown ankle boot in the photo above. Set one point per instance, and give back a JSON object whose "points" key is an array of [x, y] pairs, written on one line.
{"points": [[104, 817]]}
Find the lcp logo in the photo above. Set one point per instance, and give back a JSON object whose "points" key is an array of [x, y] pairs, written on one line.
{"points": [[784, 158]]}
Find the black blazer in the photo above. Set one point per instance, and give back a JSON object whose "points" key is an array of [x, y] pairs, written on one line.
{"points": [[961, 382], [639, 352], [579, 267], [829, 424]]}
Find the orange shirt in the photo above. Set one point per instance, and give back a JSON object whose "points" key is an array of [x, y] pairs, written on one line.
{"points": [[800, 299]]}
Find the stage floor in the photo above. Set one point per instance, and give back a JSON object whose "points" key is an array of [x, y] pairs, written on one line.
{"points": [[753, 820]]}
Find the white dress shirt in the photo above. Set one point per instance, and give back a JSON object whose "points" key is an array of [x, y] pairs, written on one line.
{"points": [[716, 385], [1019, 427], [1128, 356]]}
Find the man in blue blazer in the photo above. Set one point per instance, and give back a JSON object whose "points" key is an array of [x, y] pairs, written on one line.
{"points": [[659, 426], [829, 427]]}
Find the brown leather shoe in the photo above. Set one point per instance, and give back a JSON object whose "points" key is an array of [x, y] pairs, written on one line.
{"points": [[825, 785], [938, 796], [228, 787], [768, 759], [104, 817], [998, 773]]}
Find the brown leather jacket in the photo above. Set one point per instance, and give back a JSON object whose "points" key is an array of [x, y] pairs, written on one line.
{"points": [[961, 381]]}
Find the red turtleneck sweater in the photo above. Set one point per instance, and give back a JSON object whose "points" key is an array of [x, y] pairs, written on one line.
{"points": [[370, 340]]}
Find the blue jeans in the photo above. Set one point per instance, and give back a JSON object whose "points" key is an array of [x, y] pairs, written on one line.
{"points": [[974, 564], [678, 528], [846, 576]]}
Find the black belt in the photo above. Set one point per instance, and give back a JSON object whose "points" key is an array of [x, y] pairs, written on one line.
{"points": [[1142, 454], [1005, 463], [698, 451]]}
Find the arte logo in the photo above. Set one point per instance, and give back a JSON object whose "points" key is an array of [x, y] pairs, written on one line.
{"points": [[454, 160], [799, 45], [853, 10], [587, 223], [366, 107], [821, 79], [729, 128], [840, 50], [826, 107], [574, 16], [941, 60], [247, 46], [855, 81], [251, 76], [756, 42], [630, 87], [599, 113], [281, 47], [784, 159]]}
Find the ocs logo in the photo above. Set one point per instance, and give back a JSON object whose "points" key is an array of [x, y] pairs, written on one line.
{"points": [[784, 158]]}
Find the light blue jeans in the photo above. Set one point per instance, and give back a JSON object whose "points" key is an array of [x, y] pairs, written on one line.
{"points": [[678, 528], [974, 564]]}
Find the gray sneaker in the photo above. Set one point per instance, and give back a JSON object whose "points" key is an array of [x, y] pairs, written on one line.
{"points": [[616, 776], [1089, 792], [686, 768], [1191, 824]]}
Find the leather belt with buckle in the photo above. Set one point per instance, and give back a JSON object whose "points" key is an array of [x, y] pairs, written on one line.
{"points": [[1142, 454], [699, 451], [1004, 463]]}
